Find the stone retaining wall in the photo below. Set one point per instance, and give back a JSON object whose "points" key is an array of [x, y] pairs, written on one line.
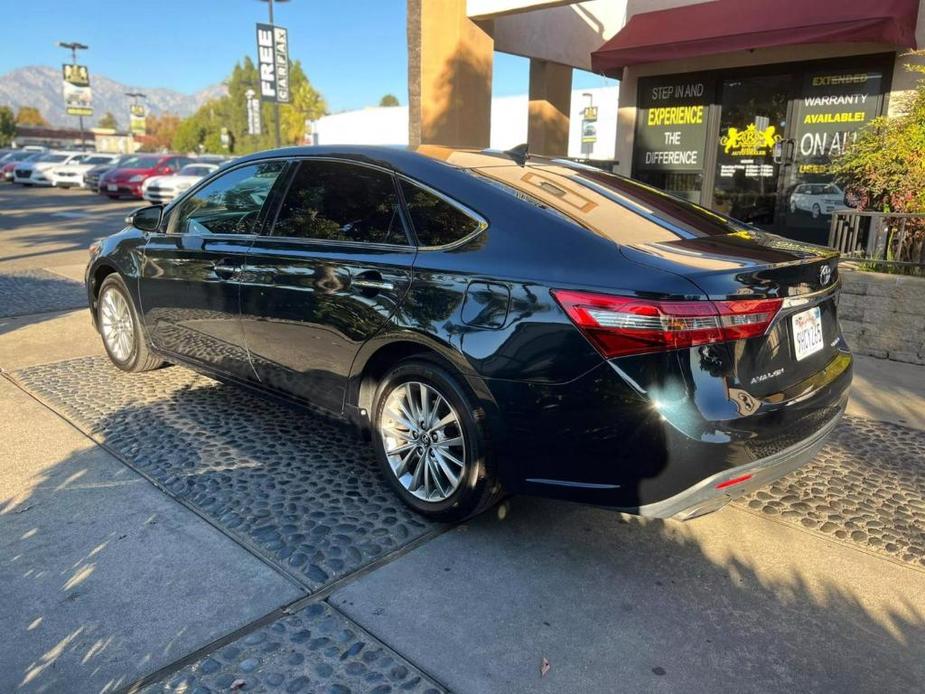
{"points": [[883, 315]]}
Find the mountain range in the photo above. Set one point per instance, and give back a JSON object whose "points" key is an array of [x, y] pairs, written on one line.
{"points": [[40, 86]]}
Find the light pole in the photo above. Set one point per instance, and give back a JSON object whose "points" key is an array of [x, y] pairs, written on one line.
{"points": [[73, 47], [275, 103], [135, 96]]}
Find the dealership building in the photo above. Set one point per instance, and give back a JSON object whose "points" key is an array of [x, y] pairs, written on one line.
{"points": [[739, 105]]}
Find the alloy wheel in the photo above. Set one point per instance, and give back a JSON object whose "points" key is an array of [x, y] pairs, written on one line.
{"points": [[423, 441], [116, 324]]}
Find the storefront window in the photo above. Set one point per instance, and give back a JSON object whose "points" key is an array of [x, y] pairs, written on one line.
{"points": [[753, 121], [832, 107], [671, 134]]}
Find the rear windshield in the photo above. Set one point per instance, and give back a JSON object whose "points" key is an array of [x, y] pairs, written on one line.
{"points": [[621, 209]]}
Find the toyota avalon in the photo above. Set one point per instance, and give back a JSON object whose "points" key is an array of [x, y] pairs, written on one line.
{"points": [[493, 322]]}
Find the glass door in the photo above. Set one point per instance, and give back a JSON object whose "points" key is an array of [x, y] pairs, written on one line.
{"points": [[753, 119]]}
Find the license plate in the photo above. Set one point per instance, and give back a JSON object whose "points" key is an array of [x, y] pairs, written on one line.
{"points": [[807, 333], [112, 186]]}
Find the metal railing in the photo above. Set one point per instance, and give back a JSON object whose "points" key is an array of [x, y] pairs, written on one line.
{"points": [[887, 241]]}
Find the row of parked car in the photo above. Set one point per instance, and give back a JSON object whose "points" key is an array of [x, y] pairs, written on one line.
{"points": [[157, 178]]}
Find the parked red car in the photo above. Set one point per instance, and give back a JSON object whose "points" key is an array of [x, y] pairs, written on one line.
{"points": [[126, 180]]}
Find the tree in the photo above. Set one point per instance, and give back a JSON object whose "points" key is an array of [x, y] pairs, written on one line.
{"points": [[108, 121], [29, 116], [7, 126], [389, 100], [161, 132], [884, 169], [204, 127]]}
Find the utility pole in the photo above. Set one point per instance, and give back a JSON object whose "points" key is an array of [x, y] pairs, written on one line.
{"points": [[73, 47], [135, 96], [275, 103]]}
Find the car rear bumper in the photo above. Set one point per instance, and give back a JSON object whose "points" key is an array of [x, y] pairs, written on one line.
{"points": [[605, 440], [718, 490]]}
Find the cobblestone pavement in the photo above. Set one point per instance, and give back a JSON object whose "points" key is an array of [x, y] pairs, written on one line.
{"points": [[867, 486], [300, 489], [315, 650], [26, 292]]}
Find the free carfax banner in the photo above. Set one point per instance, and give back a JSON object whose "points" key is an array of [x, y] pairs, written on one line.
{"points": [[78, 99], [273, 63]]}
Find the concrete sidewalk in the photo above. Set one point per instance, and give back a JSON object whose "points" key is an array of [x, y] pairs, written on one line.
{"points": [[105, 578], [730, 602]]}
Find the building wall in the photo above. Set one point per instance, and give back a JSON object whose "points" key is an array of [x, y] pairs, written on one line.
{"points": [[884, 315], [389, 126]]}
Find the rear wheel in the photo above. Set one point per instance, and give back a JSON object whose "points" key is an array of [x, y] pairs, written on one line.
{"points": [[430, 442], [120, 328]]}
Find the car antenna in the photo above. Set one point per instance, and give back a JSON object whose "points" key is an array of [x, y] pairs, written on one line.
{"points": [[518, 154]]}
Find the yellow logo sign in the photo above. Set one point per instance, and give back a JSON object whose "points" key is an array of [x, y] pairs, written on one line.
{"points": [[750, 142]]}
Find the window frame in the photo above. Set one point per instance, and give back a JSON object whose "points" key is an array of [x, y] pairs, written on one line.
{"points": [[271, 202], [465, 209], [295, 163]]}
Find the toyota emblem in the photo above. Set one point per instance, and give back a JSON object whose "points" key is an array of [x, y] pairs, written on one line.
{"points": [[825, 275]]}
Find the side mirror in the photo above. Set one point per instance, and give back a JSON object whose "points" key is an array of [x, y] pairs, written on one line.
{"points": [[146, 218]]}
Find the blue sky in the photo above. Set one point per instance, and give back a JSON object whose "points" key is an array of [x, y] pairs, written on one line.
{"points": [[354, 51]]}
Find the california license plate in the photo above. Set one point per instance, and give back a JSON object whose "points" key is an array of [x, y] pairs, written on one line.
{"points": [[807, 333], [112, 186]]}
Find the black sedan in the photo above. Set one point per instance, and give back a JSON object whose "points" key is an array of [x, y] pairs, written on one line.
{"points": [[493, 322]]}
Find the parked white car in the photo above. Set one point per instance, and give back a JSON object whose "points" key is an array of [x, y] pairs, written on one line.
{"points": [[35, 172], [161, 189], [817, 198], [71, 175]]}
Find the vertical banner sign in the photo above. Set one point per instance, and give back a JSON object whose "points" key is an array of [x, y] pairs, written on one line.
{"points": [[273, 63], [671, 124], [78, 100], [137, 119], [253, 112]]}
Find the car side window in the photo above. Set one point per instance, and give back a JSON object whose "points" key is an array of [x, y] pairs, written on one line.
{"points": [[230, 204], [436, 222], [338, 201]]}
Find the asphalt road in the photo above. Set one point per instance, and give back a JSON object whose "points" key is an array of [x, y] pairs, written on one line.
{"points": [[49, 227], [184, 535]]}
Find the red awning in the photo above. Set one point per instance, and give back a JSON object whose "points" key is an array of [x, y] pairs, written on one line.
{"points": [[725, 26]]}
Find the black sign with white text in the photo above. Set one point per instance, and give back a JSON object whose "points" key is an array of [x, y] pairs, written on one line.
{"points": [[671, 123], [273, 63]]}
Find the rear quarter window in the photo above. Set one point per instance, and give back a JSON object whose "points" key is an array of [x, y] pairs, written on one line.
{"points": [[436, 222]]}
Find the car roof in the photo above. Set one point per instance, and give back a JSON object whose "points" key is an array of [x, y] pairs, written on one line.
{"points": [[400, 156]]}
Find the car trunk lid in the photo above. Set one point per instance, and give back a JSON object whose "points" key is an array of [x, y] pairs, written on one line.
{"points": [[804, 336]]}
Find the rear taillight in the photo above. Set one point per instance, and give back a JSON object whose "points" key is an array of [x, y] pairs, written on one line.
{"points": [[619, 325]]}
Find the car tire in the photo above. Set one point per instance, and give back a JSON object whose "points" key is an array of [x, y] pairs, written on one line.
{"points": [[817, 211], [433, 450], [120, 327]]}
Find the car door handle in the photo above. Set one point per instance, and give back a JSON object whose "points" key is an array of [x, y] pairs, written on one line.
{"points": [[372, 281], [225, 270]]}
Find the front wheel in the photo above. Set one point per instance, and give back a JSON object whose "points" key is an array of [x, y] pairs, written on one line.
{"points": [[120, 328], [431, 444]]}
